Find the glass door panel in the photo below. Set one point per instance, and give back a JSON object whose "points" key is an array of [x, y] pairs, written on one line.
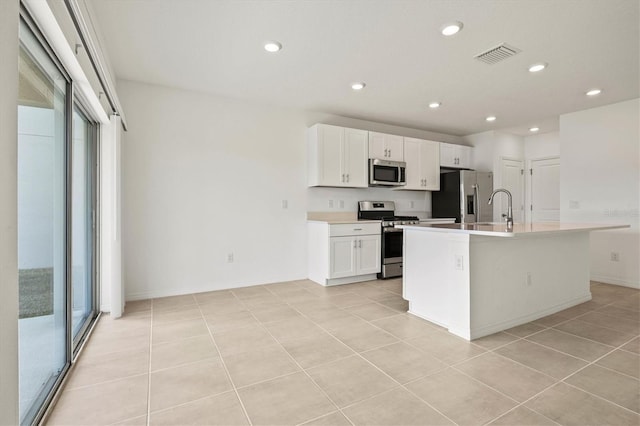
{"points": [[42, 228], [82, 223]]}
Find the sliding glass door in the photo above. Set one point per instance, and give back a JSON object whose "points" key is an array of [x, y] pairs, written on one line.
{"points": [[57, 183], [83, 223], [42, 223]]}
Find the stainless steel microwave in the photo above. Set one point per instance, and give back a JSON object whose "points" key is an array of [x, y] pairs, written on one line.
{"points": [[386, 173]]}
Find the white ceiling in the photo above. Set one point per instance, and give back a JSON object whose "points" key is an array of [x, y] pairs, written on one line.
{"points": [[395, 46]]}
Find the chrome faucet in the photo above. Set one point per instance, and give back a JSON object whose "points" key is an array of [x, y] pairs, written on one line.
{"points": [[509, 204]]}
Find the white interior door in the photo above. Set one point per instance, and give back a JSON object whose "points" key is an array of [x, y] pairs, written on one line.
{"points": [[545, 190], [513, 181]]}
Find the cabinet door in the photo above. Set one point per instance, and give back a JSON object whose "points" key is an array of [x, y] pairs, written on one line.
{"points": [[413, 172], [368, 254], [330, 142], [395, 147], [464, 156], [430, 165], [377, 148], [355, 163], [448, 155], [342, 257]]}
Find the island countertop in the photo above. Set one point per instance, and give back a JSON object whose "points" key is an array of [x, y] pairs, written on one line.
{"points": [[499, 229]]}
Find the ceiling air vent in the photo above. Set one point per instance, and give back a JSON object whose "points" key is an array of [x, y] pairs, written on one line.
{"points": [[497, 54]]}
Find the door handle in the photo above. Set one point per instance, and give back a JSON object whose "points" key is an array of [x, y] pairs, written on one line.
{"points": [[347, 177]]}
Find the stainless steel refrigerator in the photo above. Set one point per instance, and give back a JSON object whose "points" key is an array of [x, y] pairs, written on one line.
{"points": [[464, 195]]}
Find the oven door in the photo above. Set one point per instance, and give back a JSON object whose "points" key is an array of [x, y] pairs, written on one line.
{"points": [[391, 245]]}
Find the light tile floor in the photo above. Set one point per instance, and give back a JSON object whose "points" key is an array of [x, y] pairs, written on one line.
{"points": [[299, 353]]}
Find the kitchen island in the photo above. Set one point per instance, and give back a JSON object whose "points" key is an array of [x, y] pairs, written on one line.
{"points": [[478, 279]]}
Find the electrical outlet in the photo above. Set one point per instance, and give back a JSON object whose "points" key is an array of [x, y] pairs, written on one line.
{"points": [[285, 204], [230, 258], [330, 204], [459, 262], [615, 256], [529, 279], [412, 204], [342, 204]]}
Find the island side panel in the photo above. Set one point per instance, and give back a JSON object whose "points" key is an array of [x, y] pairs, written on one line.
{"points": [[517, 280], [435, 289]]}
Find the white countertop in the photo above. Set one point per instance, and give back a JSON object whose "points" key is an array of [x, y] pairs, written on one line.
{"points": [[340, 222], [499, 229]]}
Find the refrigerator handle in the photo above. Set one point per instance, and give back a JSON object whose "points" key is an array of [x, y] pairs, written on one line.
{"points": [[476, 204]]}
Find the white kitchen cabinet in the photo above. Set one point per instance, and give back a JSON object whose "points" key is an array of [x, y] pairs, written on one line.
{"points": [[423, 164], [337, 156], [343, 253], [386, 147], [455, 156]]}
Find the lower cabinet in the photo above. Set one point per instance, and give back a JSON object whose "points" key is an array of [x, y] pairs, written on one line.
{"points": [[350, 256], [343, 253]]}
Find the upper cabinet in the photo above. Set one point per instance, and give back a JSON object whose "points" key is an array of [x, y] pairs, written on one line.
{"points": [[423, 164], [455, 156], [337, 156], [386, 147]]}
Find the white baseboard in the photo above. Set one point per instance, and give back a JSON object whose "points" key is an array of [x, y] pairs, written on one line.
{"points": [[615, 281], [477, 332], [486, 330], [154, 294]]}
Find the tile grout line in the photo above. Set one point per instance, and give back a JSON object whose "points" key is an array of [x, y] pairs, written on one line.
{"points": [[224, 365], [575, 387], [399, 385], [293, 359], [603, 399]]}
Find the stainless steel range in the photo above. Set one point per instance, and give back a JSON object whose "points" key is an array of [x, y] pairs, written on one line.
{"points": [[391, 255]]}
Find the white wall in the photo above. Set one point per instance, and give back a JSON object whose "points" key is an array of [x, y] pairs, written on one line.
{"points": [[542, 145], [600, 182], [205, 176], [8, 213]]}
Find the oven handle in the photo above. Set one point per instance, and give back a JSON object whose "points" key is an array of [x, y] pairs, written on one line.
{"points": [[391, 229]]}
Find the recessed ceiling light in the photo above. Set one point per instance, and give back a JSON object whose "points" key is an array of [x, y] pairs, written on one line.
{"points": [[594, 92], [358, 86], [534, 129], [537, 67], [434, 105], [272, 46], [491, 118], [451, 28]]}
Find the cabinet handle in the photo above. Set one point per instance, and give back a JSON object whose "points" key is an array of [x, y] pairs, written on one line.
{"points": [[357, 229], [347, 177], [389, 153], [342, 178], [360, 244], [385, 152], [355, 244]]}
